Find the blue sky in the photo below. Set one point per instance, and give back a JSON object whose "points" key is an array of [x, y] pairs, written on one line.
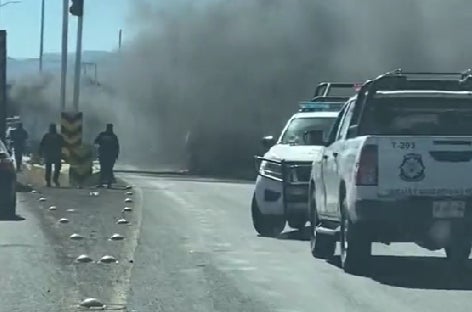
{"points": [[102, 21]]}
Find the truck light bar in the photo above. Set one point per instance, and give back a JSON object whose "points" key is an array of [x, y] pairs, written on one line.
{"points": [[331, 88], [306, 106]]}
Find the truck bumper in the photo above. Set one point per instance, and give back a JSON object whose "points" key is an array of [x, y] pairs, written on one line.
{"points": [[408, 220], [278, 198], [401, 210]]}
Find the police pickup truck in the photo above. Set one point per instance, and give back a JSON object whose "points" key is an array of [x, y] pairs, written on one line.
{"points": [[396, 168], [281, 190]]}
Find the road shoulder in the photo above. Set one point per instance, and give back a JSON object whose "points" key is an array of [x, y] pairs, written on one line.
{"points": [[93, 214]]}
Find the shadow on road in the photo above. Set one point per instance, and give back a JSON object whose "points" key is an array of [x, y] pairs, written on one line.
{"points": [[193, 177], [11, 218], [417, 272], [295, 235]]}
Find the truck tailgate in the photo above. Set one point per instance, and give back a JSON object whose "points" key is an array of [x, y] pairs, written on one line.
{"points": [[425, 166]]}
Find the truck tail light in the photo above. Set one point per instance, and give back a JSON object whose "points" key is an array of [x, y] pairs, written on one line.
{"points": [[368, 170]]}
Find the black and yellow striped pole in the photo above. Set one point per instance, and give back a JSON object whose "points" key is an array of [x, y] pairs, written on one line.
{"points": [[78, 155], [71, 130]]}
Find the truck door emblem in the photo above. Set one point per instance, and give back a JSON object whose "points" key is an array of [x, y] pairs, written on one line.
{"points": [[412, 168]]}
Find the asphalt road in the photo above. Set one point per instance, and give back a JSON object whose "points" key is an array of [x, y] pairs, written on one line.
{"points": [[32, 277], [190, 246], [197, 251], [39, 270]]}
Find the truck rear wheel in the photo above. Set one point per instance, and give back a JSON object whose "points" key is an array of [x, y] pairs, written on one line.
{"points": [[356, 248], [459, 251], [458, 254], [322, 245], [266, 225]]}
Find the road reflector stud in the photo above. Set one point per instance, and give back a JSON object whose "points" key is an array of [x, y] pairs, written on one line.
{"points": [[108, 259], [127, 209], [92, 303], [129, 193], [116, 236], [128, 200], [76, 236], [84, 259], [53, 208], [71, 210], [128, 187], [34, 191], [42, 199], [63, 220], [94, 194], [122, 221]]}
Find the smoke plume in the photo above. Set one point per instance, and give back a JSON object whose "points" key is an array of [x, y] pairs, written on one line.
{"points": [[239, 67]]}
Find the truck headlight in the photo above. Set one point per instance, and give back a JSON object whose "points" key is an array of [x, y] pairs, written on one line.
{"points": [[271, 170]]}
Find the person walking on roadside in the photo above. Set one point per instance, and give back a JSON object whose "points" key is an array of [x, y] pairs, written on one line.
{"points": [[51, 149], [108, 151], [18, 139]]}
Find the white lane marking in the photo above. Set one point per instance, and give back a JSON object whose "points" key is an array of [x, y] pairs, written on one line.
{"points": [[234, 268], [120, 291], [237, 261]]}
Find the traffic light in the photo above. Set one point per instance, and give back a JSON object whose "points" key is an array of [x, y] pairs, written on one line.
{"points": [[77, 8]]}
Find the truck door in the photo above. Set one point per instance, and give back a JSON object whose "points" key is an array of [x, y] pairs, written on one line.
{"points": [[332, 156], [326, 163]]}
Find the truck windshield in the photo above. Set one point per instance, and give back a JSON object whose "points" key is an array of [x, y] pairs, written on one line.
{"points": [[418, 116], [294, 133]]}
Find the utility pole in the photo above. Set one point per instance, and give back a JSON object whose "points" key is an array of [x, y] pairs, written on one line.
{"points": [[41, 40], [65, 21], [3, 84], [120, 38], [78, 53]]}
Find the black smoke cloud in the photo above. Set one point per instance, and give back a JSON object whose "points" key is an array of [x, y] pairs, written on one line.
{"points": [[240, 66]]}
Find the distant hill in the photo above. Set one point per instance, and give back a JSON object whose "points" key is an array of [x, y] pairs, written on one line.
{"points": [[51, 62]]}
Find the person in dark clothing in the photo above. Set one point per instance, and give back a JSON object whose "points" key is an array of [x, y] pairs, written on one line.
{"points": [[108, 151], [51, 149], [18, 139]]}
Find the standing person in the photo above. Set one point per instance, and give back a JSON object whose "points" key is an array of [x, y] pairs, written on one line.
{"points": [[51, 149], [108, 151], [18, 139]]}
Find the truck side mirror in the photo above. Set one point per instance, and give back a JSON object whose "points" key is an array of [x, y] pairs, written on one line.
{"points": [[268, 141]]}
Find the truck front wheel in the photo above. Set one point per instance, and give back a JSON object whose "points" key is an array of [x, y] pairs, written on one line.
{"points": [[266, 225], [322, 245]]}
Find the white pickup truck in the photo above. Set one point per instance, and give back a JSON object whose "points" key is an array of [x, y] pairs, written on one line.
{"points": [[396, 167]]}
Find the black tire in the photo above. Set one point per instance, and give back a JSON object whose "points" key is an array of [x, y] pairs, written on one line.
{"points": [[459, 250], [459, 254], [356, 248], [266, 225], [322, 245], [9, 209], [12, 210]]}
